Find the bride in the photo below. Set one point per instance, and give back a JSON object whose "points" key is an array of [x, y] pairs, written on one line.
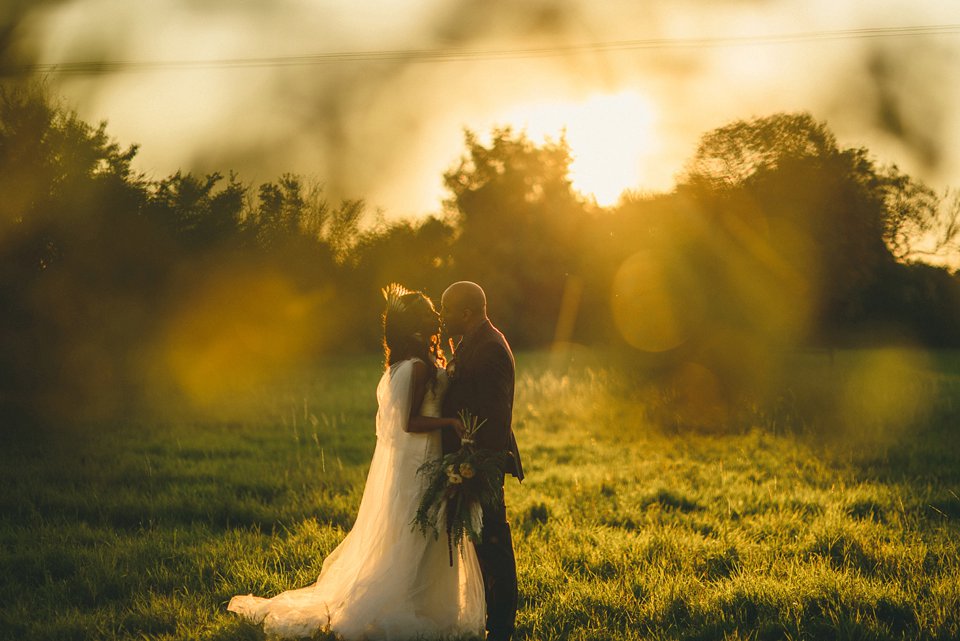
{"points": [[385, 580]]}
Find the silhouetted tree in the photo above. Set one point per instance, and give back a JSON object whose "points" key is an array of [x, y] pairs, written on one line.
{"points": [[774, 235], [520, 225], [935, 234], [781, 184], [736, 154], [916, 303], [729, 155], [73, 252], [280, 209], [195, 212]]}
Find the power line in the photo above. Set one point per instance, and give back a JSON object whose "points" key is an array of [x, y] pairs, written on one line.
{"points": [[469, 55]]}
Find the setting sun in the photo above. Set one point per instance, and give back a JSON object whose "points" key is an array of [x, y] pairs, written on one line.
{"points": [[611, 137]]}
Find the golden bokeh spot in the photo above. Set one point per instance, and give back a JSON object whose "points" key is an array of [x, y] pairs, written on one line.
{"points": [[651, 305], [886, 392], [238, 329]]}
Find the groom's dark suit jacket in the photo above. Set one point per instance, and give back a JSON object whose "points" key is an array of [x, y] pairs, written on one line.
{"points": [[482, 381]]}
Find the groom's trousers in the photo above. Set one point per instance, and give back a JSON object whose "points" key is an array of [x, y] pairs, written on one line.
{"points": [[499, 569]]}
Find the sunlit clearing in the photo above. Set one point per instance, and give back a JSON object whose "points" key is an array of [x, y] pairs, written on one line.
{"points": [[236, 331], [612, 138]]}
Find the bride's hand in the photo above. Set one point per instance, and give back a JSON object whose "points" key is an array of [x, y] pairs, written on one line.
{"points": [[458, 427]]}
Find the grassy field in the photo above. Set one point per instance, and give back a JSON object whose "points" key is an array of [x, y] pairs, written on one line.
{"points": [[826, 509]]}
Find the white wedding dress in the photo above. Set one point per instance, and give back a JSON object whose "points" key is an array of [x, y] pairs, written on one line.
{"points": [[385, 580]]}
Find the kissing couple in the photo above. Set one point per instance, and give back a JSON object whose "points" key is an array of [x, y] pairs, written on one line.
{"points": [[387, 580]]}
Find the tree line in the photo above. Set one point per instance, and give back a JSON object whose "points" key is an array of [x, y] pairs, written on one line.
{"points": [[773, 237]]}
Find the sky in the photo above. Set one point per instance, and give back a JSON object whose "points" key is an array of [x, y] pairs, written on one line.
{"points": [[385, 127]]}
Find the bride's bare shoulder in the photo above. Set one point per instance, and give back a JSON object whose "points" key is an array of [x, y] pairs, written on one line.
{"points": [[415, 365]]}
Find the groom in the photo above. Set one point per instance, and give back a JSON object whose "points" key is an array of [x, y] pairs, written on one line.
{"points": [[481, 381]]}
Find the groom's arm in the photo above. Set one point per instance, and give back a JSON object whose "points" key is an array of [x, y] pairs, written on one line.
{"points": [[494, 373]]}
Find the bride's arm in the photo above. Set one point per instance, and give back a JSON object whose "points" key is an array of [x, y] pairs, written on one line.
{"points": [[418, 423]]}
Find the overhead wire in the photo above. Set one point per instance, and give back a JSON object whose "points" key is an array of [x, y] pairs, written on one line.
{"points": [[96, 67]]}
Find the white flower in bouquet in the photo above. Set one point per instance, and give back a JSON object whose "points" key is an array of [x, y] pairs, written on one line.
{"points": [[460, 485], [476, 517]]}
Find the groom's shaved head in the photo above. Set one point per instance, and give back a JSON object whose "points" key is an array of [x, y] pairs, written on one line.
{"points": [[462, 307], [466, 295]]}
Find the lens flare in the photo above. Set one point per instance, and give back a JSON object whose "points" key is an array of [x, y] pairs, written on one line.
{"points": [[886, 392], [237, 329], [653, 305]]}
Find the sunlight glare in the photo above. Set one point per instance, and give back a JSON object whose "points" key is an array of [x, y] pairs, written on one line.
{"points": [[611, 137]]}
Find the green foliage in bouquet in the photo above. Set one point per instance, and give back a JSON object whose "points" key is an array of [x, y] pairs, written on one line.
{"points": [[460, 485]]}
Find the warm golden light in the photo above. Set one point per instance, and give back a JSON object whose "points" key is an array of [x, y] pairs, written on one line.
{"points": [[236, 329], [887, 392], [612, 138], [646, 303]]}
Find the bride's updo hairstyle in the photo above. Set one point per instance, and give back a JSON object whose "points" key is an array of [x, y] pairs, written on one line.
{"points": [[410, 328]]}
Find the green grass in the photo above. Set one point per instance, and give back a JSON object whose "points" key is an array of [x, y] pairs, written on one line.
{"points": [[827, 509]]}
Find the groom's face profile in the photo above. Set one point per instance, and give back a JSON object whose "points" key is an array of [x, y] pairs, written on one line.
{"points": [[462, 306], [453, 316]]}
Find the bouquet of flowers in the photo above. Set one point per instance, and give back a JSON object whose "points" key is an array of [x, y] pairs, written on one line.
{"points": [[459, 485]]}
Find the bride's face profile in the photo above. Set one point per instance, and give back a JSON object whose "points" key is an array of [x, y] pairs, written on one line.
{"points": [[411, 328], [428, 320]]}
